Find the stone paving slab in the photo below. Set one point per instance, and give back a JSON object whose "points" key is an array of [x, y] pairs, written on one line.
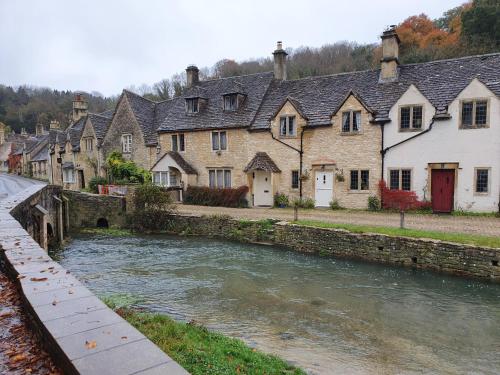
{"points": [[123, 360], [80, 306], [62, 282], [169, 368], [54, 297]]}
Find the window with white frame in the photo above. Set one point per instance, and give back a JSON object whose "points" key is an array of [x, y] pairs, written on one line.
{"points": [[287, 126], [231, 102], [89, 144], [219, 178], [219, 141], [482, 181], [410, 117], [127, 143], [351, 122], [360, 179], [165, 178], [178, 142], [68, 175], [474, 113], [192, 105], [400, 179], [295, 179]]}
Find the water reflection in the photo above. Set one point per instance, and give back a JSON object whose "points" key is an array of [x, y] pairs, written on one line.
{"points": [[327, 315]]}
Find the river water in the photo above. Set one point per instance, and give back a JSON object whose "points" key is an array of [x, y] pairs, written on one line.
{"points": [[328, 316]]}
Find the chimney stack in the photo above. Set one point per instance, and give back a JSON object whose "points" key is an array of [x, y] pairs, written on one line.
{"points": [[280, 62], [54, 124], [192, 75], [39, 130], [80, 107], [390, 55]]}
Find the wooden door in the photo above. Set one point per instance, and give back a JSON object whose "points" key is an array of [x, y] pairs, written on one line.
{"points": [[324, 188], [442, 189], [262, 189]]}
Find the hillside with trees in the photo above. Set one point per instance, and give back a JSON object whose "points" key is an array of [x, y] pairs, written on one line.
{"points": [[469, 29]]}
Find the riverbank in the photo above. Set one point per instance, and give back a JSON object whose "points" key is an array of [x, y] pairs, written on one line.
{"points": [[200, 351]]}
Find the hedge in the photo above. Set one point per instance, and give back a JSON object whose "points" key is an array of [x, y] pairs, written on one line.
{"points": [[223, 197]]}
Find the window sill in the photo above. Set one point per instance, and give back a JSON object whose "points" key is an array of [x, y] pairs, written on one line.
{"points": [[474, 127], [288, 136], [476, 194], [347, 134], [410, 130], [358, 191]]}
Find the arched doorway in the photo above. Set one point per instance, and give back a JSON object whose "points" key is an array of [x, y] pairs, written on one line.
{"points": [[102, 223]]}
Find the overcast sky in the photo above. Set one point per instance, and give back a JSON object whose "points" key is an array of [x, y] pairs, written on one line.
{"points": [[106, 45]]}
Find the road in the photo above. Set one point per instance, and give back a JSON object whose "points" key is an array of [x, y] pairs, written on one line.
{"points": [[12, 184]]}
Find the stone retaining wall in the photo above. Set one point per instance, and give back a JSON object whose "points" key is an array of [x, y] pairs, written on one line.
{"points": [[453, 258], [82, 334]]}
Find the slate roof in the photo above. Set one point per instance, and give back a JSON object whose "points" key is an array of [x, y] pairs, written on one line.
{"points": [[186, 167], [42, 154], [75, 132], [100, 123], [144, 112], [262, 162], [439, 81], [172, 114]]}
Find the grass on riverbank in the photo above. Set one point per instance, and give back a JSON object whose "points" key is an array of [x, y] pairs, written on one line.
{"points": [[201, 351], [464, 238], [117, 232]]}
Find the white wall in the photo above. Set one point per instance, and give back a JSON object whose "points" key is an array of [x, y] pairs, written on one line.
{"points": [[446, 143]]}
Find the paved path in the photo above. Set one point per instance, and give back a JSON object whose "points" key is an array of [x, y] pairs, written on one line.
{"points": [[488, 226], [12, 184]]}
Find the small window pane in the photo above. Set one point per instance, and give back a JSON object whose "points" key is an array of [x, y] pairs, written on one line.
{"points": [[467, 113], [173, 179], [181, 142], [227, 178], [406, 179], [394, 179], [291, 125], [405, 118], [157, 179], [354, 180], [417, 117], [220, 178], [481, 112], [174, 143], [283, 126], [295, 179], [346, 122], [482, 180], [223, 141], [215, 140], [356, 121], [211, 179], [365, 180], [164, 178]]}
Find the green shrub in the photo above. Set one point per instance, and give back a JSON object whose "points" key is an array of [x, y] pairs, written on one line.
{"points": [[222, 197], [124, 171], [152, 209], [94, 181], [281, 200], [335, 205], [374, 203], [303, 203]]}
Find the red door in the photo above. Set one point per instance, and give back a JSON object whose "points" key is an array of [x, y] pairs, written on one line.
{"points": [[443, 189]]}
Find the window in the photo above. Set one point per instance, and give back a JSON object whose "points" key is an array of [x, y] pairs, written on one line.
{"points": [[400, 179], [351, 122], [68, 175], [127, 143], [192, 105], [410, 117], [165, 179], [178, 142], [89, 144], [219, 141], [231, 102], [295, 179], [219, 178], [482, 180], [360, 180], [474, 114], [287, 126]]}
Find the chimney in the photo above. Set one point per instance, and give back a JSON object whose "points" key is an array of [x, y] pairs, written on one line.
{"points": [[23, 132], [54, 124], [80, 107], [192, 75], [39, 130], [280, 62], [390, 55]]}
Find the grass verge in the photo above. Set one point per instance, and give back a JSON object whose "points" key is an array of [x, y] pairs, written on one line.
{"points": [[464, 238], [106, 231], [201, 351]]}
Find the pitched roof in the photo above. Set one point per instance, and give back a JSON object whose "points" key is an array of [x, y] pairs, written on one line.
{"points": [[439, 81], [172, 114], [144, 112], [75, 132], [100, 123], [42, 154], [262, 162], [181, 162]]}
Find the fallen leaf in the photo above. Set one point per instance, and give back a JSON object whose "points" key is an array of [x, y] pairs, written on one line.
{"points": [[38, 279], [54, 302], [19, 357], [19, 277], [124, 337], [90, 344], [70, 291]]}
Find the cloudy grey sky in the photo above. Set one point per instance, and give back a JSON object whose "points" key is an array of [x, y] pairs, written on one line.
{"points": [[106, 45]]}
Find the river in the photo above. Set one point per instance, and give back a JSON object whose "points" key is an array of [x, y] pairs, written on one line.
{"points": [[326, 315]]}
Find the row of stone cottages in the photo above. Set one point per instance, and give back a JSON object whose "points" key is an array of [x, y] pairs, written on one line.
{"points": [[433, 128]]}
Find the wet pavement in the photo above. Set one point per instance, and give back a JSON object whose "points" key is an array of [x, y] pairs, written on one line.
{"points": [[12, 184]]}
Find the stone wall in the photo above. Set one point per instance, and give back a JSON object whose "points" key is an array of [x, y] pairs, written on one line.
{"points": [[457, 259], [85, 209]]}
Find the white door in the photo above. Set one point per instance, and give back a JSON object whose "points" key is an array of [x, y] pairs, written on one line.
{"points": [[262, 189], [324, 188]]}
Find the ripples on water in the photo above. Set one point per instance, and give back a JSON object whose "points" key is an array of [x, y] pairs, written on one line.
{"points": [[326, 315]]}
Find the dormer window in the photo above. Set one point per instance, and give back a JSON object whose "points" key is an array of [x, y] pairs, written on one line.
{"points": [[474, 114], [287, 126], [231, 102], [410, 117], [192, 105], [351, 122]]}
